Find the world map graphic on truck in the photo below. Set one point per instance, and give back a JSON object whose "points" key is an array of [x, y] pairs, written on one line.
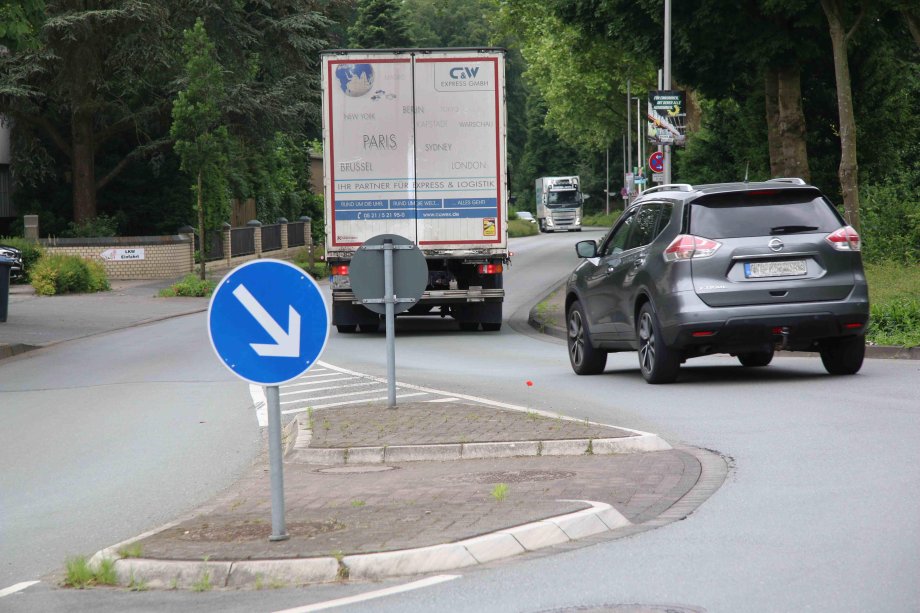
{"points": [[355, 79]]}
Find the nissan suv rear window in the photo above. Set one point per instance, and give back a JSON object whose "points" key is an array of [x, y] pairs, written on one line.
{"points": [[769, 213]]}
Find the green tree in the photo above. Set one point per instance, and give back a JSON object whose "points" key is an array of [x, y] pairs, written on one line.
{"points": [[19, 23], [201, 141], [379, 24]]}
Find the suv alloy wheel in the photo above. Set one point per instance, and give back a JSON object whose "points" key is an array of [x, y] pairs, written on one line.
{"points": [[585, 358]]}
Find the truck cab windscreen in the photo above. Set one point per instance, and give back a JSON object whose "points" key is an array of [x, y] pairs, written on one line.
{"points": [[560, 199]]}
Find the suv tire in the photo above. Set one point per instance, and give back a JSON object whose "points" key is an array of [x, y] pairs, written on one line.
{"points": [[658, 362], [752, 359], [843, 356], [584, 357]]}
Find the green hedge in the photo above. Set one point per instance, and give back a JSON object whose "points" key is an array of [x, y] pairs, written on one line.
{"points": [[190, 286], [896, 322], [62, 274]]}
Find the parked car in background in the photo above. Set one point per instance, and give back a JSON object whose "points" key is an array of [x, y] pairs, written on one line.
{"points": [[14, 254], [737, 268], [525, 216]]}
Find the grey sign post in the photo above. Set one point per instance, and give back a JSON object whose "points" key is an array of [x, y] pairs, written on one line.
{"points": [[388, 275]]}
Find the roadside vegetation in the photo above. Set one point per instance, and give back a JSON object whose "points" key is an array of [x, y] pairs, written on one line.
{"points": [[189, 287], [81, 575], [894, 294], [319, 269], [520, 227], [64, 274]]}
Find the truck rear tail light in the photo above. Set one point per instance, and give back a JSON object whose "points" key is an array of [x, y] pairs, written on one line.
{"points": [[845, 239], [686, 247], [338, 269], [490, 269]]}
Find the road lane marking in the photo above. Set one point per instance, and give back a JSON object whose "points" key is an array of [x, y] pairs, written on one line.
{"points": [[17, 588], [361, 393], [331, 374], [341, 378], [398, 589], [331, 387]]}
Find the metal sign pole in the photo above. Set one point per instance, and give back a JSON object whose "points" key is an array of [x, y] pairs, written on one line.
{"points": [[273, 399], [390, 303]]}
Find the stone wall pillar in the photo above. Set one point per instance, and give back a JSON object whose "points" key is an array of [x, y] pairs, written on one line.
{"points": [[31, 227], [281, 221], [225, 241], [189, 233], [257, 233]]}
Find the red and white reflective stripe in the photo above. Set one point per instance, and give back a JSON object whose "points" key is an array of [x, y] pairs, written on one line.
{"points": [[687, 246], [845, 239], [490, 269]]}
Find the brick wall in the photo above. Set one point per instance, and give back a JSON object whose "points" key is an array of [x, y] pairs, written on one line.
{"points": [[164, 257]]}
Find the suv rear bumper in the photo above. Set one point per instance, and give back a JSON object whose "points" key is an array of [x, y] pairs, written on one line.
{"points": [[796, 326]]}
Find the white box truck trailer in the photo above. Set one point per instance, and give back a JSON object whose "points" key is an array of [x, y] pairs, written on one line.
{"points": [[414, 145], [559, 203]]}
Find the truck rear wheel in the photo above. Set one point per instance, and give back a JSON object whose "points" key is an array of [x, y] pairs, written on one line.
{"points": [[346, 328], [491, 327], [469, 326]]}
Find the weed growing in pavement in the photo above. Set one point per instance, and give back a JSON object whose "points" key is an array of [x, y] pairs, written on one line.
{"points": [[310, 417], [326, 424], [134, 550], [136, 586], [590, 450], [358, 503], [276, 584], [174, 584], [500, 491], [204, 582], [343, 570], [259, 583], [532, 415], [81, 575], [546, 310]]}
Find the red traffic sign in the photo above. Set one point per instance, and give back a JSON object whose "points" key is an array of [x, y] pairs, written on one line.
{"points": [[656, 162]]}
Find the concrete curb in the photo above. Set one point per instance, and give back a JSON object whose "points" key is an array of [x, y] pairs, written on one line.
{"points": [[301, 452], [206, 574], [881, 352]]}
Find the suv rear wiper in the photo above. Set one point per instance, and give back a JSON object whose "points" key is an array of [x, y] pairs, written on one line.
{"points": [[791, 229]]}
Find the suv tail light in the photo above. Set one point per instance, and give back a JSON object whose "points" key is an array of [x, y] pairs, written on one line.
{"points": [[845, 239], [686, 246]]}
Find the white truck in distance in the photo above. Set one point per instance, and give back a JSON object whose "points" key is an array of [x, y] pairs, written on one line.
{"points": [[559, 203], [414, 145]]}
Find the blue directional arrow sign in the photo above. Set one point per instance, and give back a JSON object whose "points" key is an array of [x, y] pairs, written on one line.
{"points": [[268, 321]]}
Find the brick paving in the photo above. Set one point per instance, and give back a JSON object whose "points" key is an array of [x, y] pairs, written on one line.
{"points": [[367, 508], [425, 423]]}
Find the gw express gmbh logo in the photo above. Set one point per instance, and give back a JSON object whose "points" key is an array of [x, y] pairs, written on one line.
{"points": [[453, 77]]}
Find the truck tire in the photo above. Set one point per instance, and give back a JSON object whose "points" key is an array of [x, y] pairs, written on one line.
{"points": [[374, 327], [491, 327], [469, 326], [346, 328]]}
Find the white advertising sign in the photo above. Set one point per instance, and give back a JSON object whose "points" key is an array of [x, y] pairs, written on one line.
{"points": [[120, 255], [415, 147]]}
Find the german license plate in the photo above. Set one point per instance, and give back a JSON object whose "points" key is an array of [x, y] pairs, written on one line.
{"points": [[786, 268]]}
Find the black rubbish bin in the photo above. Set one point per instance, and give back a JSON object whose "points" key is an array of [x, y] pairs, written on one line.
{"points": [[5, 265]]}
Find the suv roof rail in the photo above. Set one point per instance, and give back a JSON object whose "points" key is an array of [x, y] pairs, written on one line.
{"points": [[793, 180], [670, 187]]}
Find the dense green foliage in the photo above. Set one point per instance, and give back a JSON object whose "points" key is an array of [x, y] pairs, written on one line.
{"points": [[190, 287], [520, 227], [64, 274]]}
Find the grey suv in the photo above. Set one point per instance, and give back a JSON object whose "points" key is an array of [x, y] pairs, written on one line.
{"points": [[738, 268]]}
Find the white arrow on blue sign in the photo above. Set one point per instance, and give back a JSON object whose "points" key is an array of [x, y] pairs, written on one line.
{"points": [[268, 321]]}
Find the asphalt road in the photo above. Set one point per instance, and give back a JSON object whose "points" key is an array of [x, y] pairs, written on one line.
{"points": [[106, 437], [819, 513]]}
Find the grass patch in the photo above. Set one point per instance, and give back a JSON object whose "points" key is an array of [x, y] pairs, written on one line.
{"points": [[204, 582], [358, 503], [500, 491], [134, 550], [894, 294], [519, 227], [601, 220], [81, 575], [189, 287]]}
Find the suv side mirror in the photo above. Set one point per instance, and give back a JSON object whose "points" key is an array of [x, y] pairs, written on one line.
{"points": [[586, 249]]}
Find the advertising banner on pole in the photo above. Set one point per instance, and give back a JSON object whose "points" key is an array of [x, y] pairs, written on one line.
{"points": [[667, 117]]}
